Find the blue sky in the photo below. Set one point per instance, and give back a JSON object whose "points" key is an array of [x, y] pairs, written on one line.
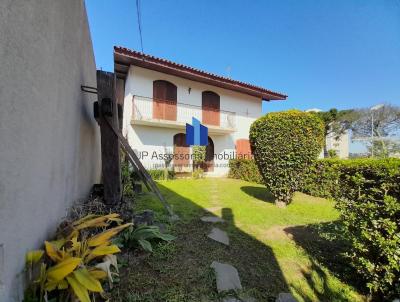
{"points": [[323, 54]]}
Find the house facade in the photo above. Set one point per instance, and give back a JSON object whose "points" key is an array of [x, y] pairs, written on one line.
{"points": [[159, 97]]}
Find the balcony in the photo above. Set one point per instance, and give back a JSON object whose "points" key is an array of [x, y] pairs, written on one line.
{"points": [[167, 114]]}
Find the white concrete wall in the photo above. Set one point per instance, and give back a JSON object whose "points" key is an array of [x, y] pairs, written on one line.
{"points": [[50, 147], [340, 145], [146, 138]]}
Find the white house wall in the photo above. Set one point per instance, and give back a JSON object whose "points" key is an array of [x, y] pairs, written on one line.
{"points": [[148, 138]]}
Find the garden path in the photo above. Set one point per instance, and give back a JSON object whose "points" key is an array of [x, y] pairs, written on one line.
{"points": [[227, 276]]}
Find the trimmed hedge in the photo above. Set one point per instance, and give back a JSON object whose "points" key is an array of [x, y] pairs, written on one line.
{"points": [[350, 178], [284, 144], [245, 169], [367, 194]]}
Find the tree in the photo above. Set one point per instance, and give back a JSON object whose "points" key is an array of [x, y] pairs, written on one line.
{"points": [[336, 122], [377, 127], [383, 148]]}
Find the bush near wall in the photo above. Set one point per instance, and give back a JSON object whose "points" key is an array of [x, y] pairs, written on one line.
{"points": [[367, 193], [245, 169]]}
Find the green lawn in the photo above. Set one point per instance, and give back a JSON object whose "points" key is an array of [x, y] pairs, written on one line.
{"points": [[274, 249]]}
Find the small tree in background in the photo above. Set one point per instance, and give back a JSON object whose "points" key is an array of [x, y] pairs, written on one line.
{"points": [[380, 125], [199, 155], [199, 160], [284, 144], [336, 122]]}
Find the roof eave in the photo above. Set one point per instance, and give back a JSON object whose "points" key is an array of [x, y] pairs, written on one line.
{"points": [[122, 62]]}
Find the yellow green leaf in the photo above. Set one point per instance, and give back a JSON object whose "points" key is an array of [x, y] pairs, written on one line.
{"points": [[52, 251], [75, 244], [63, 284], [96, 222], [87, 280], [79, 221], [98, 274], [74, 233], [62, 269], [79, 290], [117, 220], [102, 250], [58, 243], [102, 238], [34, 256], [51, 285]]}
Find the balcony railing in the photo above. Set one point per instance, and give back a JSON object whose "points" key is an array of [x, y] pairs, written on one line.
{"points": [[146, 109]]}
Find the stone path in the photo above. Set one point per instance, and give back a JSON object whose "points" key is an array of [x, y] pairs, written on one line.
{"points": [[227, 276], [285, 297], [219, 235], [212, 219]]}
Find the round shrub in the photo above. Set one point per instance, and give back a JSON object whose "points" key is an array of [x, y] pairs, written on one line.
{"points": [[284, 144]]}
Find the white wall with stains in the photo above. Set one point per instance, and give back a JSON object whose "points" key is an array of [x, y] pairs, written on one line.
{"points": [[49, 141]]}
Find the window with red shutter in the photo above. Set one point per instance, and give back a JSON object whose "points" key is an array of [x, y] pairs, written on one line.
{"points": [[164, 100], [243, 149], [210, 108]]}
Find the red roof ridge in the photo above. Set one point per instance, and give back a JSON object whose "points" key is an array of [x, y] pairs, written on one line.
{"points": [[136, 54]]}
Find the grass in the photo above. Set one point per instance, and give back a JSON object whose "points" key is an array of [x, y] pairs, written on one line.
{"points": [[274, 249]]}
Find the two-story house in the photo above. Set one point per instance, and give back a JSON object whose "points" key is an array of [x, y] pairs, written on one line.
{"points": [[159, 97]]}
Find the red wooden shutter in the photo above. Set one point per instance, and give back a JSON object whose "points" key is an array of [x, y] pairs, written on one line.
{"points": [[164, 100], [181, 152], [210, 108], [243, 149]]}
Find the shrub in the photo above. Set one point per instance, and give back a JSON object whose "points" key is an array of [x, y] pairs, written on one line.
{"points": [[199, 155], [333, 153], [142, 236], [373, 229], [245, 169], [341, 178], [198, 173], [367, 192], [74, 264], [322, 178], [161, 174], [284, 144]]}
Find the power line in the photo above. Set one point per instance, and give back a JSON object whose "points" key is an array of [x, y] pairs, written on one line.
{"points": [[139, 20]]}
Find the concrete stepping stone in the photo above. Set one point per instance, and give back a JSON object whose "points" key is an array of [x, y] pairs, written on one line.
{"points": [[285, 297], [219, 235], [227, 277], [213, 219]]}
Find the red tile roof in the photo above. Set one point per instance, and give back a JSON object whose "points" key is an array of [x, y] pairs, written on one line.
{"points": [[124, 57]]}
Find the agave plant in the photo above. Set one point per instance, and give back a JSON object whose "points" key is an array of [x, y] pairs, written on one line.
{"points": [[75, 264]]}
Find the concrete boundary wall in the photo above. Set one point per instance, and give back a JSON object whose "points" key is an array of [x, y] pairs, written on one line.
{"points": [[49, 141]]}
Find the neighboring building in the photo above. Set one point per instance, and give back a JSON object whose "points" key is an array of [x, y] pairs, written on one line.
{"points": [[50, 143], [340, 145], [160, 97]]}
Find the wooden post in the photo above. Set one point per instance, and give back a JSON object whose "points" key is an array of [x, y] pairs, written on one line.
{"points": [[120, 94], [110, 152]]}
